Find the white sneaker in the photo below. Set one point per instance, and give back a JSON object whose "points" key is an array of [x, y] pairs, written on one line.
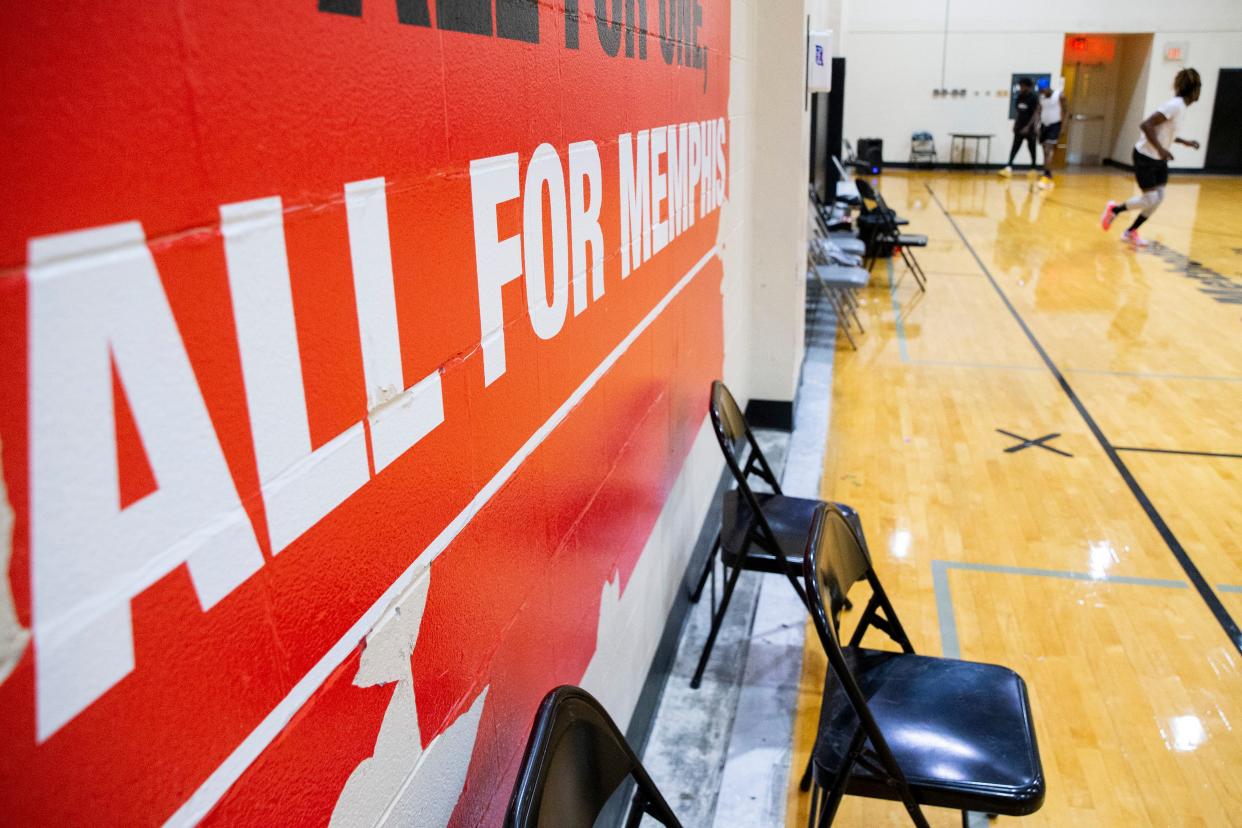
{"points": [[1007, 172], [1132, 238]]}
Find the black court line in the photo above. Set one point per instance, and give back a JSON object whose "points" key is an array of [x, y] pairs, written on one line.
{"points": [[1179, 553], [1181, 451]]}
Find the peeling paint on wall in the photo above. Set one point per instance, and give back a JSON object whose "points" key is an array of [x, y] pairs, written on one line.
{"points": [[13, 636], [401, 783], [626, 638]]}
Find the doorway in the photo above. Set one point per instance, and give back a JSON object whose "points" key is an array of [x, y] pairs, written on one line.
{"points": [[1089, 73], [1086, 85], [1224, 144]]}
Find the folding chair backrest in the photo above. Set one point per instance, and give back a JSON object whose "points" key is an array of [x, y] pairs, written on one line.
{"points": [[734, 435], [727, 417], [865, 190], [889, 217], [867, 196], [836, 559], [840, 561], [575, 760]]}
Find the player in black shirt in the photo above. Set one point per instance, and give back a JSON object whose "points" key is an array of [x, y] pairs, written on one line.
{"points": [[1025, 125]]}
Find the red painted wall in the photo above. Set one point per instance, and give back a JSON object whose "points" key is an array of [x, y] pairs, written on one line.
{"points": [[523, 497]]}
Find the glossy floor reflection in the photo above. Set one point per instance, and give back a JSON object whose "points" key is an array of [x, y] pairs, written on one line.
{"points": [[1047, 563]]}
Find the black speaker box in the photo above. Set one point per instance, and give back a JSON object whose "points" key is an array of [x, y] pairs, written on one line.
{"points": [[870, 155]]}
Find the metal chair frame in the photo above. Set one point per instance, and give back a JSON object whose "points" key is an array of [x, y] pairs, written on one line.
{"points": [[868, 747], [889, 232], [923, 149], [564, 708], [731, 430]]}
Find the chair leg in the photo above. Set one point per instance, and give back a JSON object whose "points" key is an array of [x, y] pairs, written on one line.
{"points": [[636, 811], [843, 322], [913, 264], [812, 817], [829, 803], [717, 619], [854, 311], [843, 314], [707, 568]]}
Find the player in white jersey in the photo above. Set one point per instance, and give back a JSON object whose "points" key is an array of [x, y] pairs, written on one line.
{"points": [[1052, 107], [1151, 155]]}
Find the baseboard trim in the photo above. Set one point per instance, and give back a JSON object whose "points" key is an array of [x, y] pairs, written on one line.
{"points": [[774, 414]]}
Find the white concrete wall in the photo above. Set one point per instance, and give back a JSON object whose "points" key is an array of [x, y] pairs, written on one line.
{"points": [[1130, 104], [899, 51], [764, 224], [736, 232], [1209, 52]]}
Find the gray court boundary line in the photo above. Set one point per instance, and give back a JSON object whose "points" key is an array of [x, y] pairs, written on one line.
{"points": [[1229, 588], [1181, 451], [1182, 557], [950, 646]]}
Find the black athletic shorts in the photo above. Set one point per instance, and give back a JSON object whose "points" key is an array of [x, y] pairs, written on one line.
{"points": [[1049, 132], [1150, 173]]}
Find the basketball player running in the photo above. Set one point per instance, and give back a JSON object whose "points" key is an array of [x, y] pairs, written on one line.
{"points": [[1051, 108], [1024, 125], [1151, 156]]}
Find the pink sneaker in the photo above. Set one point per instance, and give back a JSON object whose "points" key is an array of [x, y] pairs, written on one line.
{"points": [[1106, 219], [1132, 237]]}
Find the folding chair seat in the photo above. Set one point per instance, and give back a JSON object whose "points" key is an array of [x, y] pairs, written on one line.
{"points": [[968, 702], [790, 519], [575, 760], [921, 730], [842, 275], [849, 242], [758, 531]]}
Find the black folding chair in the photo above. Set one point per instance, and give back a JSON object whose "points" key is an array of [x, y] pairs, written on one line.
{"points": [[885, 233], [759, 531], [924, 731], [575, 760]]}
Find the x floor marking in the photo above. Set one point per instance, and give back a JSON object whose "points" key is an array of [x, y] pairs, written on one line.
{"points": [[1038, 441]]}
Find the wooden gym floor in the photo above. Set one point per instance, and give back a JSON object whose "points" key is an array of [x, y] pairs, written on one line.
{"points": [[1114, 598]]}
